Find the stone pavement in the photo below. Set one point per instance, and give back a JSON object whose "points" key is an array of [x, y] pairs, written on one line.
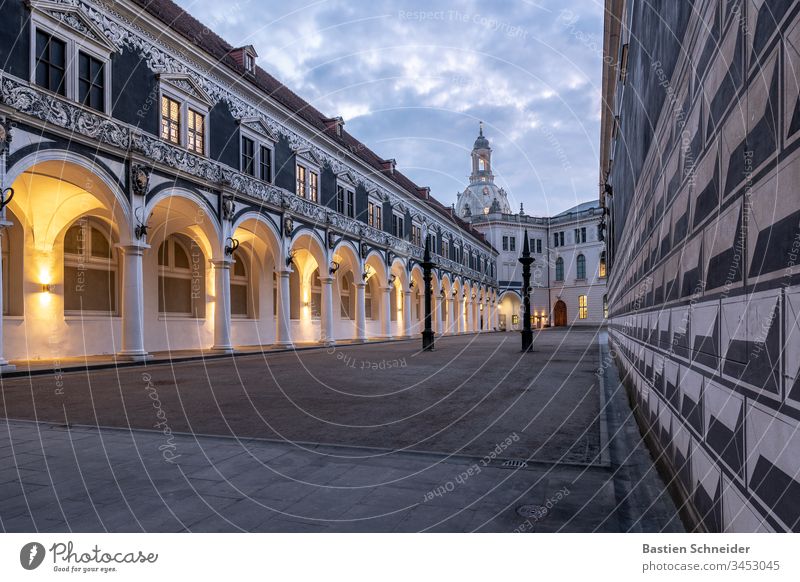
{"points": [[83, 478]]}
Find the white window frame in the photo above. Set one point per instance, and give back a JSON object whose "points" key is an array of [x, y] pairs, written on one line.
{"points": [[398, 215], [186, 101], [75, 43], [379, 203], [348, 185], [303, 158], [260, 140]]}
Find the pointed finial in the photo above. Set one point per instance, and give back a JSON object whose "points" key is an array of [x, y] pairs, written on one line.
{"points": [[480, 124], [526, 249], [521, 208]]}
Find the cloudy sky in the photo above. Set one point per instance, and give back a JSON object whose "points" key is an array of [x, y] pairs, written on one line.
{"points": [[413, 78]]}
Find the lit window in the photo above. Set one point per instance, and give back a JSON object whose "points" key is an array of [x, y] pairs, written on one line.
{"points": [[603, 264], [301, 181], [170, 120], [605, 306], [51, 62], [582, 308], [313, 187], [374, 215], [195, 137], [91, 82]]}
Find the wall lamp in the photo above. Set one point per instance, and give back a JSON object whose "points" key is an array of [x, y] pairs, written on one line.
{"points": [[7, 196], [412, 284], [334, 266], [141, 228], [392, 279], [48, 288], [232, 246], [290, 258]]}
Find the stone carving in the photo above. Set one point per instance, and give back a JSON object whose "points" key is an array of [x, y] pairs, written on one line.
{"points": [[140, 179], [288, 226], [5, 136]]}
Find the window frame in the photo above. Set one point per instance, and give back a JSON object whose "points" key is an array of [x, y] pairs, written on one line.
{"points": [[304, 159], [262, 140], [375, 210], [345, 197], [75, 43], [583, 307], [186, 102], [580, 267], [559, 268], [87, 261]]}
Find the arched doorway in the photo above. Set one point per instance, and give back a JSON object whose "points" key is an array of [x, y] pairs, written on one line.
{"points": [[560, 314]]}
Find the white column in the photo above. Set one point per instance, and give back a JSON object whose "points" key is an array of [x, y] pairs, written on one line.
{"points": [[327, 311], [284, 335], [222, 306], [361, 313], [439, 325], [462, 315], [133, 303], [407, 323], [4, 365], [386, 320]]}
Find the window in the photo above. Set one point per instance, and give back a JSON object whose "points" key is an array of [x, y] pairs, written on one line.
{"points": [[539, 246], [398, 226], [248, 156], [300, 188], [605, 306], [346, 201], [249, 63], [170, 120], [315, 290], [346, 301], [90, 269], [583, 310], [602, 264], [580, 235], [505, 243], [581, 261], [265, 164], [195, 132], [313, 187], [374, 215], [51, 59], [240, 285], [91, 82], [416, 235], [559, 269], [181, 277], [512, 243], [432, 242], [555, 239]]}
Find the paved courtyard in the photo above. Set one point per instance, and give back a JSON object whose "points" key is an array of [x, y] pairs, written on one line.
{"points": [[358, 438]]}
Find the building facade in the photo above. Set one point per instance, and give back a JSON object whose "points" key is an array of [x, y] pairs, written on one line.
{"points": [[568, 282], [162, 192], [699, 173]]}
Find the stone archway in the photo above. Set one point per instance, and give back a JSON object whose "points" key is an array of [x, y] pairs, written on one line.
{"points": [[560, 314]]}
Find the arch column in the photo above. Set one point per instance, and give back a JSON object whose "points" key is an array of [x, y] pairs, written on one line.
{"points": [[222, 305], [407, 313], [462, 314], [361, 312], [327, 311], [4, 365], [451, 315], [284, 336], [386, 320], [133, 303]]}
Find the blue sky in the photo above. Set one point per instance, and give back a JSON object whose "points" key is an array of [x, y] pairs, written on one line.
{"points": [[412, 80]]}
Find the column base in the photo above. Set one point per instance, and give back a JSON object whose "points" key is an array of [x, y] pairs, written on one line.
{"points": [[222, 349], [328, 343], [134, 356], [360, 340], [284, 345]]}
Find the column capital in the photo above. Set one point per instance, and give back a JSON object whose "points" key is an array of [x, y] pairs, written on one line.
{"points": [[221, 263], [133, 249]]}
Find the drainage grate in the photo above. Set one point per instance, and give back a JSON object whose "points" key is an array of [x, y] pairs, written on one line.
{"points": [[514, 464], [535, 512]]}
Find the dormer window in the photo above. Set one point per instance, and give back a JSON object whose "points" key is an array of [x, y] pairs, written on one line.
{"points": [[249, 63], [245, 57]]}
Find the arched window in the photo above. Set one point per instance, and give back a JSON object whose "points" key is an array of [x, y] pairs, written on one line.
{"points": [[315, 291], [241, 304], [583, 308], [90, 269], [559, 269], [602, 264], [581, 267], [346, 295], [181, 277]]}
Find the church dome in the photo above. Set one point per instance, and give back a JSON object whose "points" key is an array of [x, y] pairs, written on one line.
{"points": [[481, 143], [482, 196]]}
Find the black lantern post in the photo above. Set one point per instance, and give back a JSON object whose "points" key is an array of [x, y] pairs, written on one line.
{"points": [[526, 259], [427, 265]]}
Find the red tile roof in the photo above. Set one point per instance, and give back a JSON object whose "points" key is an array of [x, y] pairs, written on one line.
{"points": [[193, 30]]}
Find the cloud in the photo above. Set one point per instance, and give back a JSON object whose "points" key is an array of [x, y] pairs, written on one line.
{"points": [[412, 79]]}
